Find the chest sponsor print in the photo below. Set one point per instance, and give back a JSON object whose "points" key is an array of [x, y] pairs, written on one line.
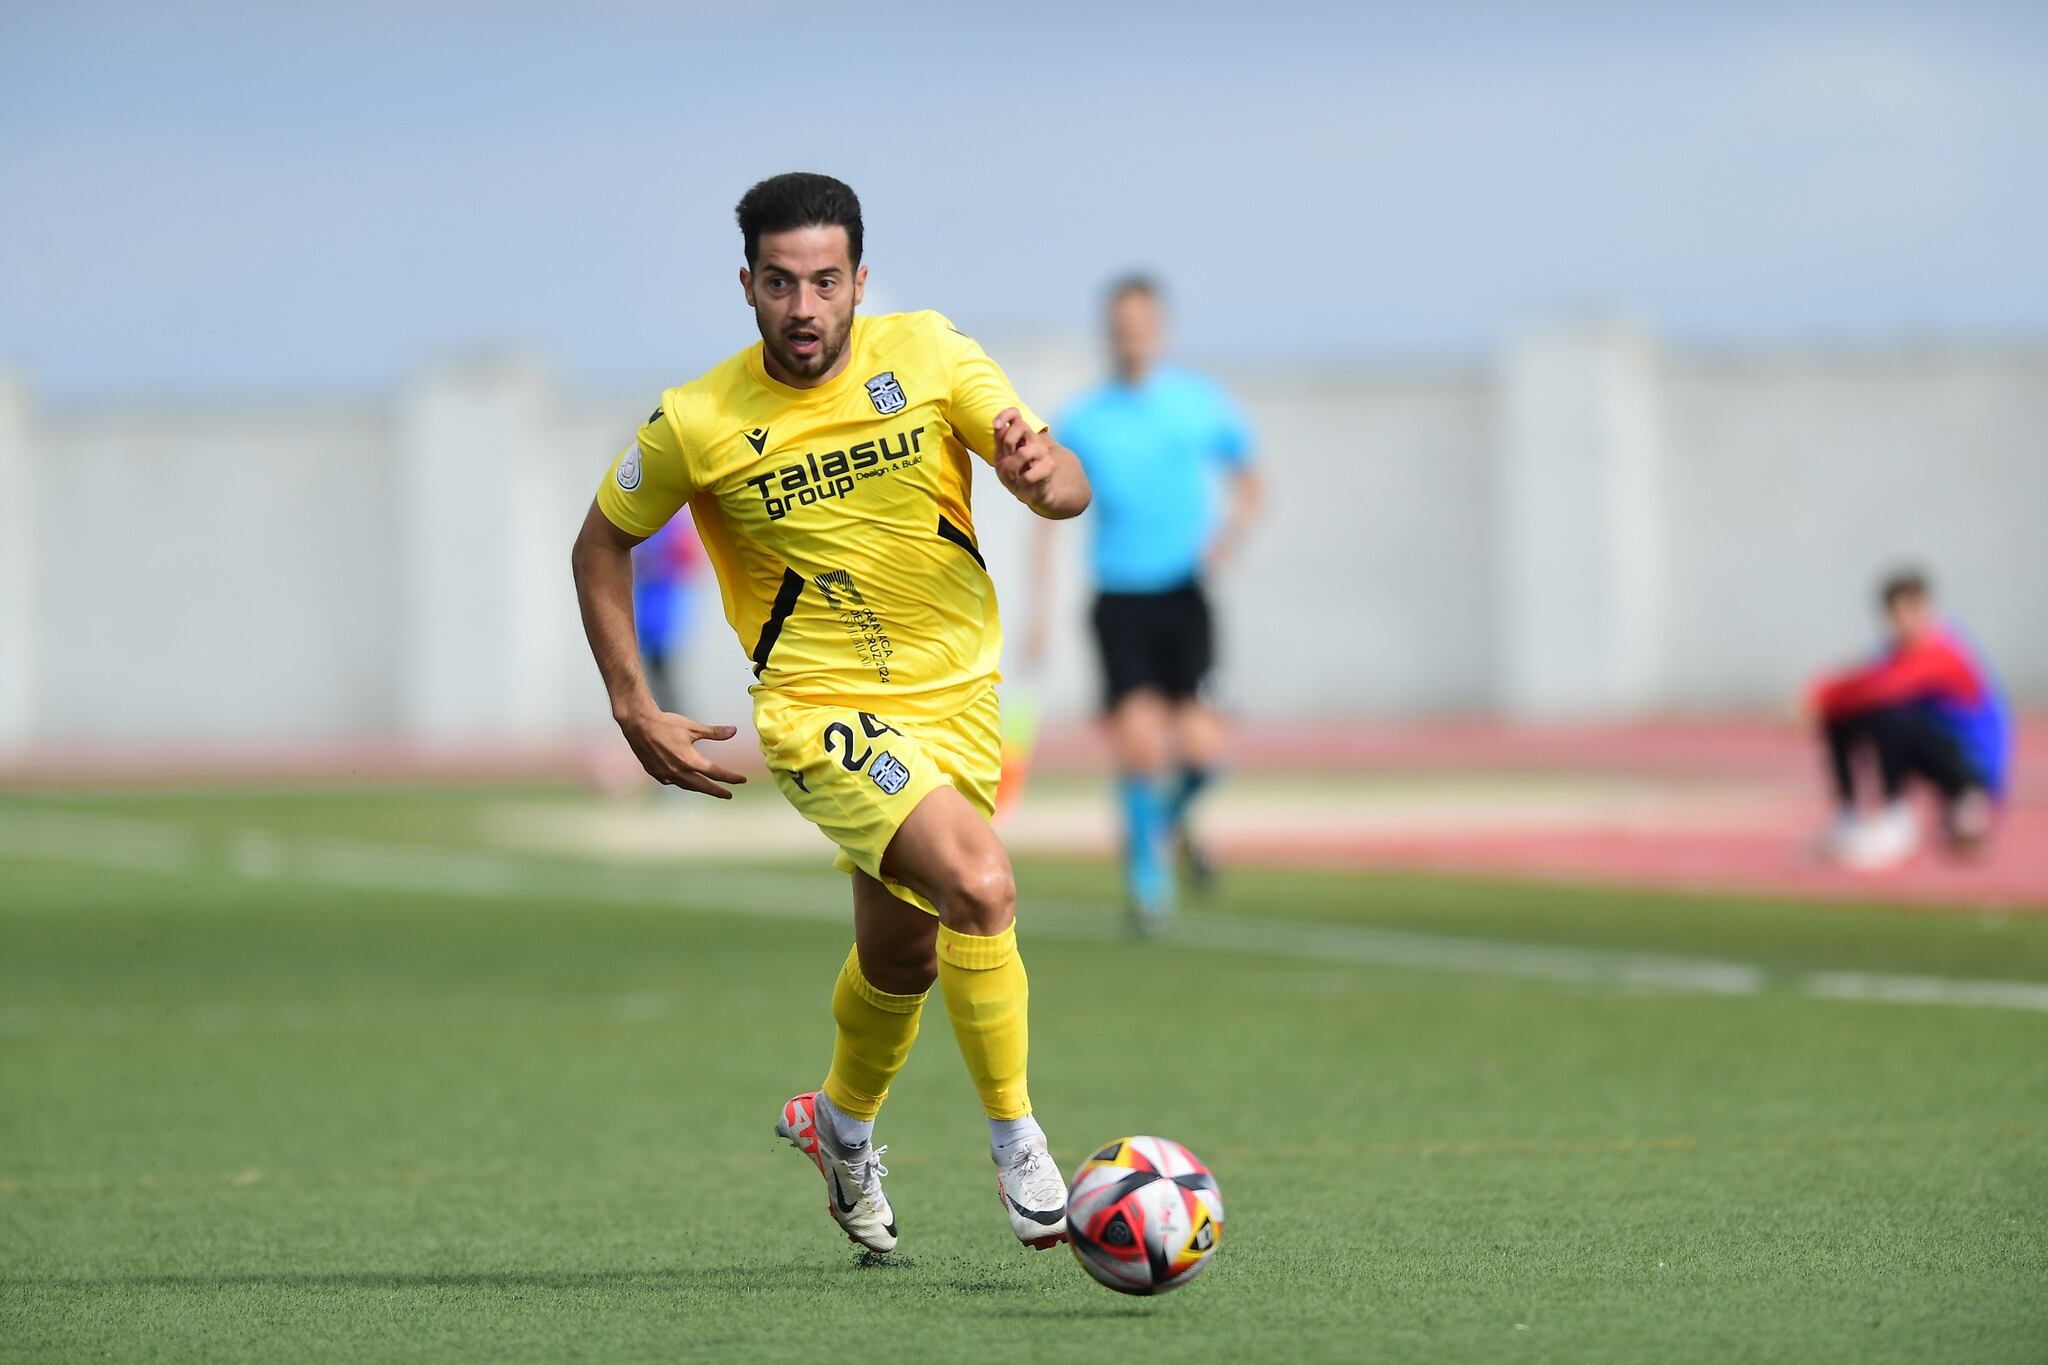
{"points": [[833, 474]]}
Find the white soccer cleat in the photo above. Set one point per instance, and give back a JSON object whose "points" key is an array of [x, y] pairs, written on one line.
{"points": [[1967, 822], [1874, 843], [1034, 1193], [853, 1180]]}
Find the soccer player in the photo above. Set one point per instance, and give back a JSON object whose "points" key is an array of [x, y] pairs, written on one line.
{"points": [[827, 468], [1159, 442], [1925, 708]]}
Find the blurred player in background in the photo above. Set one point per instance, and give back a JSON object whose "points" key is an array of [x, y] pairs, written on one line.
{"points": [[1926, 707], [665, 569], [828, 469], [1169, 456]]}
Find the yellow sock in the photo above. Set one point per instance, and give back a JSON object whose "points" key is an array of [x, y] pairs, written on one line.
{"points": [[986, 994], [876, 1030]]}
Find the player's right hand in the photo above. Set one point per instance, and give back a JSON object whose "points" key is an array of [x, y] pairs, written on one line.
{"points": [[666, 745], [1024, 457]]}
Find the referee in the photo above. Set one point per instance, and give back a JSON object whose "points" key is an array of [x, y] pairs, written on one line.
{"points": [[1169, 456]]}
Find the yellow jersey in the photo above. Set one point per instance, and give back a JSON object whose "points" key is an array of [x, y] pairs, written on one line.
{"points": [[839, 518]]}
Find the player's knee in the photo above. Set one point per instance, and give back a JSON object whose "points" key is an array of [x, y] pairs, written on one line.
{"points": [[1139, 727], [981, 898], [903, 960], [908, 970]]}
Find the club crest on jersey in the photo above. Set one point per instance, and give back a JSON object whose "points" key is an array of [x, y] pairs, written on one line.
{"points": [[886, 394], [629, 469]]}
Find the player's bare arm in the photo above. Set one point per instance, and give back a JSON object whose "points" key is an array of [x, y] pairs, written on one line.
{"points": [[1040, 472], [1247, 496], [665, 744]]}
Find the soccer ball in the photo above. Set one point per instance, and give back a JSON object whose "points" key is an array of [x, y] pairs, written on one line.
{"points": [[1144, 1215]]}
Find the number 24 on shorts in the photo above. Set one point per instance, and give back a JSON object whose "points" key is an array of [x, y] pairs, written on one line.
{"points": [[887, 771]]}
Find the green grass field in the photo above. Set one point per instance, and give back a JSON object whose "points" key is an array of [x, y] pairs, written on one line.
{"points": [[320, 1076]]}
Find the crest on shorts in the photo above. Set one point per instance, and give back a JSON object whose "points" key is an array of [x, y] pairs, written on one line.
{"points": [[889, 773], [887, 394]]}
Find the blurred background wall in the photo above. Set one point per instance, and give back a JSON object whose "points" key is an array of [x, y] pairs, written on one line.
{"points": [[1584, 524], [1601, 357]]}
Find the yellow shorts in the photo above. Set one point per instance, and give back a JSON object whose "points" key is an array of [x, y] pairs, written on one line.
{"points": [[857, 775]]}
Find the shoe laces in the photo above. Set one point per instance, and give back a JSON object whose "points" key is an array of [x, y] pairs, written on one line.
{"points": [[1037, 1177], [867, 1171]]}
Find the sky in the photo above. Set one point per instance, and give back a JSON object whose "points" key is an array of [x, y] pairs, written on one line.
{"points": [[285, 198]]}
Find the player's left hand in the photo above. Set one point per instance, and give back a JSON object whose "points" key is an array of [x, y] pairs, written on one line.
{"points": [[1024, 457]]}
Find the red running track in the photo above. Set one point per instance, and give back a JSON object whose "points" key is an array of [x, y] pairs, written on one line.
{"points": [[1776, 761], [1774, 858]]}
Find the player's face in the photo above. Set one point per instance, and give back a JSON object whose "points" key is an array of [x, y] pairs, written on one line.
{"points": [[1908, 617], [803, 289], [1137, 333]]}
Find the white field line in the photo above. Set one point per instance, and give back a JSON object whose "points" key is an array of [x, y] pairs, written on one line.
{"points": [[321, 1016], [459, 872], [1924, 990], [422, 869], [99, 840], [670, 832], [1474, 957]]}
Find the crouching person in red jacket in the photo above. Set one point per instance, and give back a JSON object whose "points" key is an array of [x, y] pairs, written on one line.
{"points": [[1926, 707]]}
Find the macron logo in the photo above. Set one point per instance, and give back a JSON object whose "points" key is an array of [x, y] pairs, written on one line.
{"points": [[758, 439]]}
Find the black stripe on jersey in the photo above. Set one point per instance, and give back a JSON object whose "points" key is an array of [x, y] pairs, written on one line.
{"points": [[785, 603], [948, 531]]}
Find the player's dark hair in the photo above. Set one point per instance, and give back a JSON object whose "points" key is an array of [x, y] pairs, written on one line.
{"points": [[1902, 584], [798, 199], [1136, 282]]}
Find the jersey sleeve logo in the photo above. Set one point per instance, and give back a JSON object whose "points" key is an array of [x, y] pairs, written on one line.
{"points": [[629, 469], [886, 394]]}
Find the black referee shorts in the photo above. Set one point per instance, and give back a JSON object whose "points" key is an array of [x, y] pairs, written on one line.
{"points": [[1158, 640]]}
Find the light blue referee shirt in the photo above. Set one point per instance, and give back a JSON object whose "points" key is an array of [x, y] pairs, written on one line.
{"points": [[1156, 454]]}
